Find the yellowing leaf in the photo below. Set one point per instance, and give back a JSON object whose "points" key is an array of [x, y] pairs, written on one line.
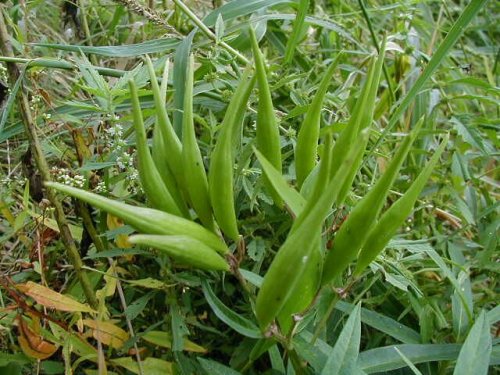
{"points": [[149, 283], [107, 332], [31, 342], [53, 300], [164, 339], [121, 240], [150, 366]]}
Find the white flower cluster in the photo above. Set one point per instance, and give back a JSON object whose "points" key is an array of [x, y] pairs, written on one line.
{"points": [[125, 159], [101, 187], [5, 183], [65, 176], [3, 74], [34, 102]]}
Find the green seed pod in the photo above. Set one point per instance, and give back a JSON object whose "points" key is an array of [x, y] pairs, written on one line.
{"points": [[366, 119], [268, 136], [146, 220], [220, 174], [307, 139], [395, 216], [195, 176], [151, 180], [185, 250], [353, 232], [294, 255], [305, 290], [160, 156], [172, 142]]}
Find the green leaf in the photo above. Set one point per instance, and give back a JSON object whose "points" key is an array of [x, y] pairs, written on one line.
{"points": [[297, 27], [150, 366], [290, 196], [470, 135], [408, 362], [179, 328], [438, 57], [475, 354], [161, 45], [239, 8], [164, 339], [136, 307], [10, 101], [212, 367], [6, 358], [388, 358], [181, 59], [383, 323], [235, 321], [342, 360]]}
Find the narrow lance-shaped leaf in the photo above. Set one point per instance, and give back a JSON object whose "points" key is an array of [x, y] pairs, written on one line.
{"points": [[343, 358], [51, 299], [220, 174], [184, 249], [235, 321], [474, 357], [146, 220], [181, 59], [151, 181], [297, 27], [395, 216], [353, 232], [307, 139], [195, 176], [288, 194], [268, 137]]}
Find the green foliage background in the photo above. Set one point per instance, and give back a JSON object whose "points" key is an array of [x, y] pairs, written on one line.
{"points": [[432, 295]]}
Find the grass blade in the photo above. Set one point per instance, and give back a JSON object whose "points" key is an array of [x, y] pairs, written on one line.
{"points": [[343, 358], [474, 357], [235, 321], [297, 27], [449, 41]]}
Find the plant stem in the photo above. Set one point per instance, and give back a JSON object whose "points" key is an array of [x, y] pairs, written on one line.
{"points": [[41, 162], [193, 17], [58, 64]]}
